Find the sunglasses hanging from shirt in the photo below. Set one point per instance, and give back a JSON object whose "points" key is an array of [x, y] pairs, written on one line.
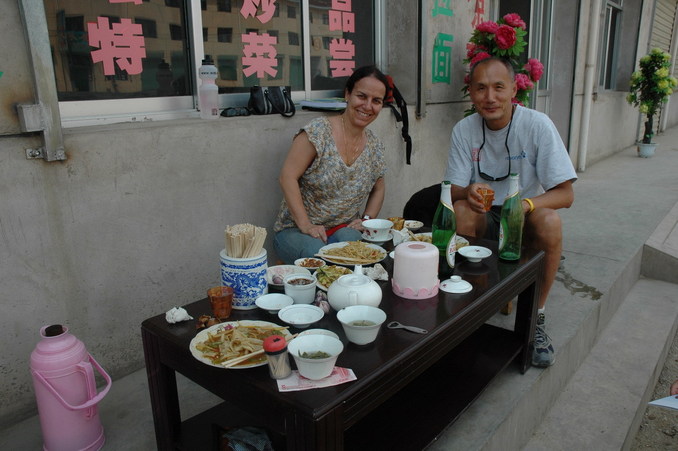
{"points": [[270, 100], [489, 178]]}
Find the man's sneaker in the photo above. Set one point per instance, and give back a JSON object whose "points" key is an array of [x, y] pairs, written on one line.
{"points": [[543, 354]]}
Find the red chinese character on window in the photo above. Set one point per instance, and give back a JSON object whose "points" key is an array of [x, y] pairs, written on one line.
{"points": [[342, 52], [124, 43], [250, 8], [260, 54], [478, 13], [340, 21], [136, 2], [341, 5]]}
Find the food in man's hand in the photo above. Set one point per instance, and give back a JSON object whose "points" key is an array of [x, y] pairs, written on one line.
{"points": [[398, 223], [235, 341], [328, 274]]}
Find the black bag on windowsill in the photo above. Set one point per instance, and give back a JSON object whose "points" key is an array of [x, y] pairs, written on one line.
{"points": [[270, 100]]}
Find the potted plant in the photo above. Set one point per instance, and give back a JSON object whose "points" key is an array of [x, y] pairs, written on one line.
{"points": [[650, 88], [504, 38]]}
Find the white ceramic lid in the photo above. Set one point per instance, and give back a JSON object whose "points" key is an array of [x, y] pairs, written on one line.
{"points": [[455, 284]]}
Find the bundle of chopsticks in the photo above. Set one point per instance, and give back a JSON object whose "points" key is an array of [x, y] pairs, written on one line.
{"points": [[244, 240]]}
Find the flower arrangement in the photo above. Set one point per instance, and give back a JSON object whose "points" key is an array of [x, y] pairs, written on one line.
{"points": [[504, 38], [651, 87]]}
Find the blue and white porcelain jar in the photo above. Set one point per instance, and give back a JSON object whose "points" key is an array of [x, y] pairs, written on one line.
{"points": [[247, 277]]}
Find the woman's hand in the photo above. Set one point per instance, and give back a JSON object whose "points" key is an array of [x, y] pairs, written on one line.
{"points": [[356, 224], [315, 231]]}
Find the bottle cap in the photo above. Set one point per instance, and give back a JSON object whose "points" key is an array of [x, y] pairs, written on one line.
{"points": [[207, 60], [275, 344]]}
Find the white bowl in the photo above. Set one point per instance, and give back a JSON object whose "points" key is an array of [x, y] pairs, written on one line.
{"points": [[301, 315], [361, 334], [301, 293], [273, 302], [475, 253], [310, 263], [276, 274], [377, 229], [413, 225], [315, 369]]}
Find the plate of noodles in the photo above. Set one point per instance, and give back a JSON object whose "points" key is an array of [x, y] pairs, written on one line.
{"points": [[349, 253], [226, 341]]}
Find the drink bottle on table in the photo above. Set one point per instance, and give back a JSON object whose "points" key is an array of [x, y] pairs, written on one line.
{"points": [[445, 231], [511, 222]]}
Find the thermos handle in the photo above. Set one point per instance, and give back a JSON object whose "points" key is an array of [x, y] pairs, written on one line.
{"points": [[88, 374]]}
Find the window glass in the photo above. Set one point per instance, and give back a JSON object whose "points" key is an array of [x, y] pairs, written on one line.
{"points": [[260, 40], [91, 40], [342, 38]]}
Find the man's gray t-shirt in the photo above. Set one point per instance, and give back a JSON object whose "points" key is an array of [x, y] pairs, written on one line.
{"points": [[537, 153]]}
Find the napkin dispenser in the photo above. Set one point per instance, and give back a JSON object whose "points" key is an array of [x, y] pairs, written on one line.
{"points": [[415, 270]]}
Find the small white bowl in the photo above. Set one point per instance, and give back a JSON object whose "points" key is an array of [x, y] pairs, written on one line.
{"points": [[310, 263], [475, 253], [351, 316], [413, 225], [377, 229], [301, 315], [276, 274], [301, 293], [315, 369], [273, 302]]}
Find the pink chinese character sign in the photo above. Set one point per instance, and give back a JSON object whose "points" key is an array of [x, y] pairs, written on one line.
{"points": [[260, 54], [118, 43]]}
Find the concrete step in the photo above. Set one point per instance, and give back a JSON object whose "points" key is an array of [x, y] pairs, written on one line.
{"points": [[660, 253], [602, 405]]}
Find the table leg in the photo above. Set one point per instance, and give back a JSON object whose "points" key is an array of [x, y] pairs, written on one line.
{"points": [[162, 385], [326, 433], [526, 317]]}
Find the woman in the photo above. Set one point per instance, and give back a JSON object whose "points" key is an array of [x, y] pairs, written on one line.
{"points": [[335, 165]]}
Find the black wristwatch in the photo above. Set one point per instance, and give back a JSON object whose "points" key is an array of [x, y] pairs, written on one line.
{"points": [[366, 217]]}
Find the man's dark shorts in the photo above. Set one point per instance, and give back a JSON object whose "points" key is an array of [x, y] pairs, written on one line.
{"points": [[492, 217]]}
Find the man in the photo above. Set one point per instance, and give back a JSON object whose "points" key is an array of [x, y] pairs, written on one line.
{"points": [[503, 138]]}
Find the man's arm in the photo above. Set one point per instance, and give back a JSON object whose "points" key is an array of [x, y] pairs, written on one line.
{"points": [[560, 196]]}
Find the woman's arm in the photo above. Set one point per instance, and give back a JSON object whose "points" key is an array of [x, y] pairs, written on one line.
{"points": [[299, 158], [374, 202]]}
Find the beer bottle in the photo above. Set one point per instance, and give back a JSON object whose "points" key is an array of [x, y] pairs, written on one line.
{"points": [[511, 222], [445, 230]]}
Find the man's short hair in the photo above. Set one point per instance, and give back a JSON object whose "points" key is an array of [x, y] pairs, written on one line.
{"points": [[507, 64]]}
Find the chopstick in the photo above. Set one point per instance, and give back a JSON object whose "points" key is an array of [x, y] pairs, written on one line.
{"points": [[242, 358]]}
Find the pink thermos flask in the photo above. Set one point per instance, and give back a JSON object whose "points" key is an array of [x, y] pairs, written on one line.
{"points": [[66, 393]]}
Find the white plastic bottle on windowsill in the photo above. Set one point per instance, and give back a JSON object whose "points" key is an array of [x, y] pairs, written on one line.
{"points": [[208, 93]]}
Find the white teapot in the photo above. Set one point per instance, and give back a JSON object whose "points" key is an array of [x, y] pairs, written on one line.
{"points": [[354, 289]]}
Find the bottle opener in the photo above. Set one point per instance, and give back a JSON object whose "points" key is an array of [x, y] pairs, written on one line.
{"points": [[397, 325]]}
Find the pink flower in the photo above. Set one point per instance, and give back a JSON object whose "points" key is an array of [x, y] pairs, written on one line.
{"points": [[523, 82], [472, 49], [535, 68], [514, 20], [487, 27], [467, 79], [479, 57], [505, 37]]}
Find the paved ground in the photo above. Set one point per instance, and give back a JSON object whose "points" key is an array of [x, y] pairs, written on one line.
{"points": [[659, 428]]}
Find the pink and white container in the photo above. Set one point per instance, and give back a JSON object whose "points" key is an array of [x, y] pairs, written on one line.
{"points": [[66, 393]]}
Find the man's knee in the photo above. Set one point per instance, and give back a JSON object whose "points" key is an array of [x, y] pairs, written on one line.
{"points": [[545, 225]]}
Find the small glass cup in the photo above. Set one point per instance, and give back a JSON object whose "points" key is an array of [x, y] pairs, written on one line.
{"points": [[488, 197], [221, 299]]}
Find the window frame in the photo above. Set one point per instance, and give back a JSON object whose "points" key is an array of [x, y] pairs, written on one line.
{"points": [[610, 40], [103, 112]]}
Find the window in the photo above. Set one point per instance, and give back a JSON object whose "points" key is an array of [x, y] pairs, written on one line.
{"points": [[154, 70], [224, 34], [610, 28]]}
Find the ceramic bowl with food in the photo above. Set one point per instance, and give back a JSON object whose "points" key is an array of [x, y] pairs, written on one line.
{"points": [[310, 263], [273, 302], [474, 254], [361, 323], [276, 274], [413, 225], [398, 222], [377, 229], [301, 315], [300, 287], [315, 355]]}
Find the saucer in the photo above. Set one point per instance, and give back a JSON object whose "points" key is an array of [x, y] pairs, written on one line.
{"points": [[372, 240]]}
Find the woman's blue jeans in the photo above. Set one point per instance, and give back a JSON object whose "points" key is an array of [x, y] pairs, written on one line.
{"points": [[290, 244]]}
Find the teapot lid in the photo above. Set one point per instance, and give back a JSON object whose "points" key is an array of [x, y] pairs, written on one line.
{"points": [[455, 284]]}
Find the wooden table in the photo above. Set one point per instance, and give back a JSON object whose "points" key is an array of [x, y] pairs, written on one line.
{"points": [[409, 386]]}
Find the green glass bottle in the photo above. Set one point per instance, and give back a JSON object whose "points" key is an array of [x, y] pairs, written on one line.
{"points": [[445, 230], [511, 222]]}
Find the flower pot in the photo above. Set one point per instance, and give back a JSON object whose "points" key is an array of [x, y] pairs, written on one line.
{"points": [[646, 150]]}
